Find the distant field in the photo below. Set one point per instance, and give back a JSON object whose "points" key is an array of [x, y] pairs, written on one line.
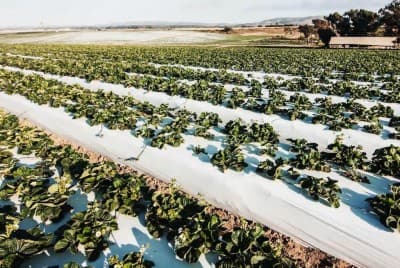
{"points": [[269, 36], [114, 37]]}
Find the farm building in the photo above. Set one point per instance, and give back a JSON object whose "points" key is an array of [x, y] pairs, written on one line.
{"points": [[364, 42]]}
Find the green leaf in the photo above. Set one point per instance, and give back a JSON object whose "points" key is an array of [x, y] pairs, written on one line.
{"points": [[61, 245], [256, 260], [53, 189]]}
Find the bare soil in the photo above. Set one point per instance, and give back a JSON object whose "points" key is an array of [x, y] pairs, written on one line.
{"points": [[290, 32]]}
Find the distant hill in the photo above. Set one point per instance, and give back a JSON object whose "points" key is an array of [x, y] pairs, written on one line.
{"points": [[285, 21], [268, 22], [167, 24]]}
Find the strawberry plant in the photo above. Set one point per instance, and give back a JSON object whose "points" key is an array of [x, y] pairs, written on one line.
{"points": [[308, 156], [69, 163], [207, 120], [386, 161], [263, 133], [197, 237], [300, 101], [229, 158], [160, 140], [21, 178], [192, 231], [98, 177], [355, 176], [87, 231], [236, 129], [39, 194], [44, 199], [248, 247], [346, 156], [374, 128], [145, 132], [127, 195], [381, 110], [203, 132], [299, 145], [7, 162], [236, 99], [120, 191], [199, 150], [318, 188], [271, 169], [169, 210], [387, 207], [21, 245], [130, 260], [9, 221]]}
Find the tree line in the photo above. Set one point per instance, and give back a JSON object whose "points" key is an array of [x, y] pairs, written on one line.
{"points": [[356, 22]]}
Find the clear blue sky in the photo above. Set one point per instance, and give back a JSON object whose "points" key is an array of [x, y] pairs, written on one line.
{"points": [[89, 12]]}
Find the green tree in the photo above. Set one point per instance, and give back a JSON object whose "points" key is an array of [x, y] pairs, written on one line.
{"points": [[227, 29], [390, 18], [325, 35], [355, 22], [340, 23], [363, 21]]}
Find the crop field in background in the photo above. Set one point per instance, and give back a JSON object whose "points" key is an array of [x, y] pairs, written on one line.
{"points": [[270, 36], [246, 141], [113, 37]]}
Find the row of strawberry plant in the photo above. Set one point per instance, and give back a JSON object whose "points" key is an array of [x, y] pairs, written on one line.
{"points": [[117, 72], [189, 226], [335, 116], [231, 157], [363, 65]]}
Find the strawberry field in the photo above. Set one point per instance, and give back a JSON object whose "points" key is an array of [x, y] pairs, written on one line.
{"points": [[239, 142]]}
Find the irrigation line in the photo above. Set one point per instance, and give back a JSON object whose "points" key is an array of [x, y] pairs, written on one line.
{"points": [[138, 156], [141, 152], [100, 133]]}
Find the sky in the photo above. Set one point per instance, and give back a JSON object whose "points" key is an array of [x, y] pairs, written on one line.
{"points": [[17, 13]]}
